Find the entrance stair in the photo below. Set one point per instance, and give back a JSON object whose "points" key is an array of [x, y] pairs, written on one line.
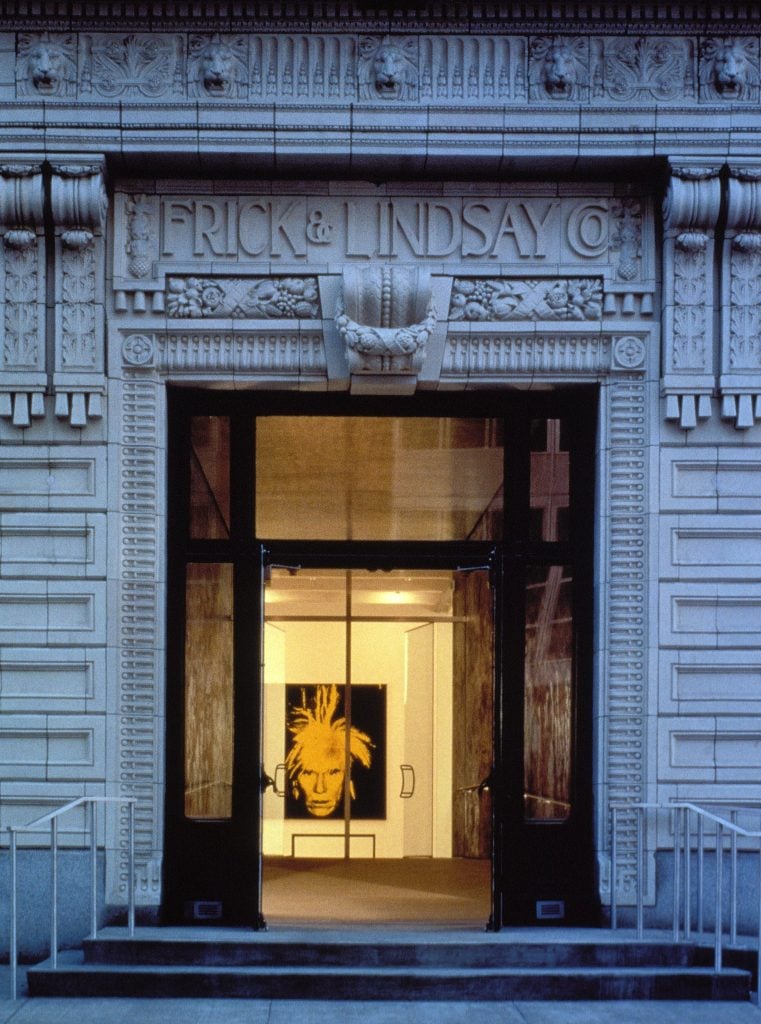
{"points": [[526, 964]]}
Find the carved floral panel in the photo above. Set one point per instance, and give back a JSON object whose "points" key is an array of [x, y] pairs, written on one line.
{"points": [[139, 66], [21, 346], [650, 68], [745, 312], [483, 299], [251, 298]]}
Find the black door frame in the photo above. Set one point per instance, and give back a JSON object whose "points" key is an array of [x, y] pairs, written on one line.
{"points": [[212, 860]]}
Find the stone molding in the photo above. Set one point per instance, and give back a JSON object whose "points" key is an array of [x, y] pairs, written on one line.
{"points": [[257, 15], [313, 67], [625, 629], [140, 638], [492, 353]]}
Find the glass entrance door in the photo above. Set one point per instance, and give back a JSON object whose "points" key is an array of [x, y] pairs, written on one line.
{"points": [[454, 703], [378, 740]]}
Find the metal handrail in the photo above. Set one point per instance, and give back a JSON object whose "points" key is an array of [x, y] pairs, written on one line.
{"points": [[683, 834], [36, 826]]}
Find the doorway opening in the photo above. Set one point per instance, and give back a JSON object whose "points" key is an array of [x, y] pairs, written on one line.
{"points": [[416, 578], [378, 809]]}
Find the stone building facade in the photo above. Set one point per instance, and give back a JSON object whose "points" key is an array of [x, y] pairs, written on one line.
{"points": [[561, 199]]}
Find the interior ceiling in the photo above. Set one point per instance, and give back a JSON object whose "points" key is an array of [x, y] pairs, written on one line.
{"points": [[311, 592]]}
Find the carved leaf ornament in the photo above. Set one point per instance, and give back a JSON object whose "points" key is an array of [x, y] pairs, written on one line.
{"points": [[274, 298], [484, 299], [142, 64]]}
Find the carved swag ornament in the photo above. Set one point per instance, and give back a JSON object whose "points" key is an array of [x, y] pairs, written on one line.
{"points": [[385, 317]]}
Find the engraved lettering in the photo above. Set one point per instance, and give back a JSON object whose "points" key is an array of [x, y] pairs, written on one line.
{"points": [[472, 221], [231, 208], [516, 227], [253, 227], [355, 238], [288, 220], [397, 228], [173, 213], [444, 230], [384, 228], [318, 229], [209, 224], [401, 219], [540, 225], [588, 229]]}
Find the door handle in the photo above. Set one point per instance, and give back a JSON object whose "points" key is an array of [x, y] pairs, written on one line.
{"points": [[277, 783], [484, 786]]}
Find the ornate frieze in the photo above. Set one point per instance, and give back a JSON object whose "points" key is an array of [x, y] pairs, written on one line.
{"points": [[658, 69], [22, 288], [320, 68], [740, 380], [476, 299], [135, 66], [486, 354], [257, 353], [249, 298], [497, 228], [78, 206], [690, 213]]}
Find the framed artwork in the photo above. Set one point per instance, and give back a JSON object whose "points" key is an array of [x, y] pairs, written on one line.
{"points": [[317, 760]]}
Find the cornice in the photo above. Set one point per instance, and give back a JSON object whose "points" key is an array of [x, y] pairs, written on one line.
{"points": [[738, 18]]}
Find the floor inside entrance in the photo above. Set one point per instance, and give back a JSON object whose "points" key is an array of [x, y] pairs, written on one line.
{"points": [[322, 892]]}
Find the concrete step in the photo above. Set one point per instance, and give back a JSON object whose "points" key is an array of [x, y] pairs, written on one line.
{"points": [[74, 977], [480, 952]]}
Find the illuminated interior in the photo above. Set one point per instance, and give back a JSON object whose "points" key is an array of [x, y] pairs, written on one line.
{"points": [[378, 686]]}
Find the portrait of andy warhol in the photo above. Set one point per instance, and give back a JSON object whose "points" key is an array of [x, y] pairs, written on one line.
{"points": [[319, 757]]}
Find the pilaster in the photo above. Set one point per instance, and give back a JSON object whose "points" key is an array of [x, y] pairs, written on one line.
{"points": [[740, 379], [22, 291], [78, 205], [690, 213]]}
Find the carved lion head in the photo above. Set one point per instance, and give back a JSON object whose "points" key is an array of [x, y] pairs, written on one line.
{"points": [[389, 70], [558, 67], [48, 64], [729, 67], [559, 71], [217, 66]]}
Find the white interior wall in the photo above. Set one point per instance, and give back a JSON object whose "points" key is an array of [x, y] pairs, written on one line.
{"points": [[312, 653]]}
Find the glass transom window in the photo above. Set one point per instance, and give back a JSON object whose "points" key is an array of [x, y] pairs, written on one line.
{"points": [[378, 478]]}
